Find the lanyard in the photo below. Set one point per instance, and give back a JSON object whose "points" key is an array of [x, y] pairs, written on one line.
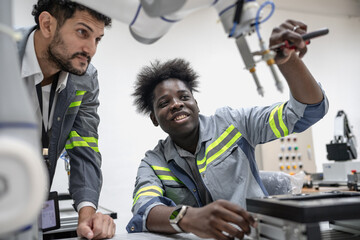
{"points": [[45, 133]]}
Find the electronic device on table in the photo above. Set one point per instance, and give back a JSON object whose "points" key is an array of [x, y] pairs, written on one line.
{"points": [[302, 216]]}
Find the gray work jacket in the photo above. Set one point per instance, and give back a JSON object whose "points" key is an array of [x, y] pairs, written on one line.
{"points": [[224, 156], [75, 128]]}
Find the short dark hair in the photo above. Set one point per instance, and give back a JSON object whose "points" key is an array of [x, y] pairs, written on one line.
{"points": [[150, 76], [63, 10]]}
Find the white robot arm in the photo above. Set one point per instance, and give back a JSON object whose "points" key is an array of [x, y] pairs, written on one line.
{"points": [[149, 20], [23, 177]]}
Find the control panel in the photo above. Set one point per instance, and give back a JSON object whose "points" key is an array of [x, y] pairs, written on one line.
{"points": [[289, 154]]}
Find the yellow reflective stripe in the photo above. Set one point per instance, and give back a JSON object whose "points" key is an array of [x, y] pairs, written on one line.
{"points": [[281, 122], [149, 188], [76, 144], [84, 143], [90, 139], [199, 162], [156, 188], [143, 192], [87, 139], [169, 178], [78, 93], [75, 104], [96, 149], [272, 123], [80, 144], [146, 194], [221, 151], [73, 134], [202, 169], [214, 144], [226, 147], [165, 177], [160, 168]]}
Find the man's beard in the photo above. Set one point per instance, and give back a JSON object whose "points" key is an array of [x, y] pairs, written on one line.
{"points": [[62, 61]]}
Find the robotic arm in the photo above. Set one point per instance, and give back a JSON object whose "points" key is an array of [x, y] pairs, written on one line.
{"points": [[149, 20], [343, 147], [23, 176]]}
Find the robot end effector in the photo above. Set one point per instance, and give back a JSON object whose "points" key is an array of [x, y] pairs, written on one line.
{"points": [[343, 147], [245, 20]]}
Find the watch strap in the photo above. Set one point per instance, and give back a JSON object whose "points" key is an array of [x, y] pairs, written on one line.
{"points": [[176, 227], [176, 216]]}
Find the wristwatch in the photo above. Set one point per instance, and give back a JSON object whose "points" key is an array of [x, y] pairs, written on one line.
{"points": [[176, 216]]}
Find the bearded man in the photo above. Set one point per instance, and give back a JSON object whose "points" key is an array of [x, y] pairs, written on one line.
{"points": [[55, 64]]}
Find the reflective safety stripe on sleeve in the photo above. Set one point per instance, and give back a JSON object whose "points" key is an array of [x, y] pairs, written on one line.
{"points": [[148, 191], [79, 92], [75, 140], [277, 123], [75, 104], [78, 98], [164, 174], [223, 143]]}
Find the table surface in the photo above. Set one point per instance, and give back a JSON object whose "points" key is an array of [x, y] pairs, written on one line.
{"points": [[188, 236], [153, 236], [325, 189], [150, 236]]}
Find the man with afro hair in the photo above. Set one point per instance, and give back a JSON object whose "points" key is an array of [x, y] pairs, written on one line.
{"points": [[198, 178]]}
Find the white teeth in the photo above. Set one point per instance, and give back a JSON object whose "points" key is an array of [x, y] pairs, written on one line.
{"points": [[180, 117]]}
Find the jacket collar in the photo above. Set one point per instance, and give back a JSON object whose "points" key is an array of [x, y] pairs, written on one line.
{"points": [[206, 133], [25, 32], [170, 152]]}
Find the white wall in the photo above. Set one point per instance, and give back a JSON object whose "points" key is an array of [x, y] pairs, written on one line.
{"points": [[126, 135]]}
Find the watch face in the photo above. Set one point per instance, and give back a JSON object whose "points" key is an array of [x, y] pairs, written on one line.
{"points": [[175, 213], [176, 216]]}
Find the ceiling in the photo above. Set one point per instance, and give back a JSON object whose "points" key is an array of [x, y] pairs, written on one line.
{"points": [[341, 8]]}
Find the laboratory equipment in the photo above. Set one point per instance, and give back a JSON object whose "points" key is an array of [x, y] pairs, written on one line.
{"points": [[300, 216], [343, 146], [341, 150], [290, 154]]}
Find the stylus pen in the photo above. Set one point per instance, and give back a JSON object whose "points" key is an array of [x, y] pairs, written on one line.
{"points": [[306, 37]]}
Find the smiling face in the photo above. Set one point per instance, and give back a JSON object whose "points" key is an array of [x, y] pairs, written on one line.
{"points": [[175, 110], [75, 43]]}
